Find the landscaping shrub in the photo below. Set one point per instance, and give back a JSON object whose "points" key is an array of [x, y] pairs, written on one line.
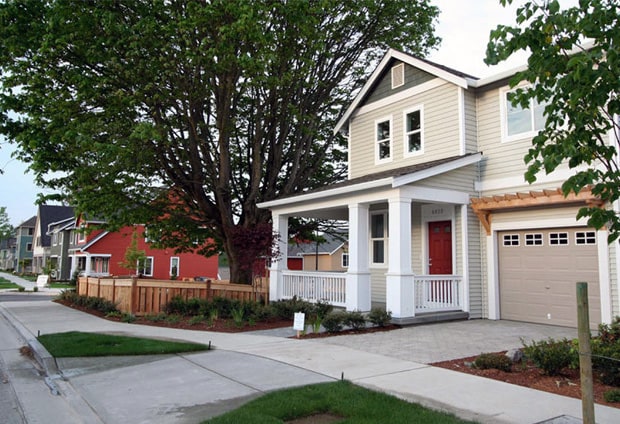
{"points": [[127, 317], [606, 360], [155, 317], [493, 361], [379, 317], [196, 319], [286, 309], [334, 322], [355, 320], [612, 396], [224, 306], [549, 355], [176, 305]]}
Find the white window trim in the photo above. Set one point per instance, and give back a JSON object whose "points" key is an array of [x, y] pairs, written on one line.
{"points": [[406, 151], [503, 99], [585, 239], [385, 239], [398, 71], [342, 256], [178, 260], [152, 259], [558, 239], [391, 140]]}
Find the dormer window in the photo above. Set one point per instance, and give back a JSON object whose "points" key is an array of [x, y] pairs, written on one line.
{"points": [[398, 75], [383, 137]]}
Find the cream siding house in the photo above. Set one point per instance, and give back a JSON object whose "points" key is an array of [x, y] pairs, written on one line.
{"points": [[436, 229]]}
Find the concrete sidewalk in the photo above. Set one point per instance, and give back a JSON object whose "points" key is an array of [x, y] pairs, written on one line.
{"points": [[189, 388]]}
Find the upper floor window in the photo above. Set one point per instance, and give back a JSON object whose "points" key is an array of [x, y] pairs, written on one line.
{"points": [[519, 122], [30, 231], [29, 247], [383, 140], [414, 131], [54, 239], [81, 234]]}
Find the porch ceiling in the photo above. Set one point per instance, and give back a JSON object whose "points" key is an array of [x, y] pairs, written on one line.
{"points": [[485, 206]]}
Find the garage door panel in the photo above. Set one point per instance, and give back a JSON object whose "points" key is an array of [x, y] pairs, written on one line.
{"points": [[537, 282]]}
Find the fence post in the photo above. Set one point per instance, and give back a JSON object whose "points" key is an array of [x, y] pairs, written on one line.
{"points": [[134, 296], [208, 287], [113, 290], [585, 359], [98, 287]]}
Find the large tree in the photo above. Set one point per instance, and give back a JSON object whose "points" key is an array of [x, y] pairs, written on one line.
{"points": [[573, 68], [6, 229], [183, 114]]}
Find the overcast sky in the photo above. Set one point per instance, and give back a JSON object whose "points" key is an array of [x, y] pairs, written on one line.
{"points": [[463, 26]]}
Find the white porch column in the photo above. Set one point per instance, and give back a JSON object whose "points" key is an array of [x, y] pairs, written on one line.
{"points": [[280, 226], [399, 278], [493, 277], [358, 274]]}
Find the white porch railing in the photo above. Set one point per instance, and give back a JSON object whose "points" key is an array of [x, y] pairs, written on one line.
{"points": [[438, 293], [327, 287]]}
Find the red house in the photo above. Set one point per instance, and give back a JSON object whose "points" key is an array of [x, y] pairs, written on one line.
{"points": [[100, 253]]}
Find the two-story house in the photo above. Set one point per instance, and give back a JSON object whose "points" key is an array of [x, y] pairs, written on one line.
{"points": [[24, 245], [59, 261], [441, 220], [46, 215], [7, 253]]}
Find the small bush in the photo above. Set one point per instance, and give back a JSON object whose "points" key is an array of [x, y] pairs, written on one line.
{"points": [[334, 322], [549, 355], [493, 361], [224, 306], [379, 317], [606, 361], [238, 315], [21, 289], [128, 318], [196, 319], [612, 396], [114, 314], [35, 289], [173, 318], [286, 309], [155, 317], [355, 320]]}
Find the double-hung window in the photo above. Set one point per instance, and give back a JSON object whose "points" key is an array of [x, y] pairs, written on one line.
{"points": [[383, 140], [145, 266], [413, 131], [519, 122], [378, 238]]}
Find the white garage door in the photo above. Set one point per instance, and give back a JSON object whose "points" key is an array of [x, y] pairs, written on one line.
{"points": [[538, 272]]}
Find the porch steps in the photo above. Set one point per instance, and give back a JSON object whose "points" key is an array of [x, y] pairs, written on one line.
{"points": [[431, 317]]}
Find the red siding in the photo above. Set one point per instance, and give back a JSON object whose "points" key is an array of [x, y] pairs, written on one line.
{"points": [[190, 265]]}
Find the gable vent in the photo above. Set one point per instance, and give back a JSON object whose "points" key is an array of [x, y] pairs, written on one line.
{"points": [[398, 75]]}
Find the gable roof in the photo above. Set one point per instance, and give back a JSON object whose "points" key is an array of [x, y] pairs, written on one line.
{"points": [[329, 246], [29, 223], [440, 71], [49, 214]]}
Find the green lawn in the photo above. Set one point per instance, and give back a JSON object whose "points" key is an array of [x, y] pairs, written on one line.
{"points": [[356, 405], [77, 344], [6, 284], [61, 286]]}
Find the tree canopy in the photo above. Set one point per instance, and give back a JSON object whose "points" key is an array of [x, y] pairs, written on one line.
{"points": [[573, 68], [6, 229], [216, 104]]}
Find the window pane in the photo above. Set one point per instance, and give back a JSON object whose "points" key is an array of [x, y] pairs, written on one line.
{"points": [[413, 121], [415, 142], [377, 252], [377, 226], [518, 120], [384, 150], [383, 130], [539, 117]]}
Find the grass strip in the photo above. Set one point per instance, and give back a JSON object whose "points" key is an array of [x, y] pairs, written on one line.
{"points": [[354, 404], [78, 344]]}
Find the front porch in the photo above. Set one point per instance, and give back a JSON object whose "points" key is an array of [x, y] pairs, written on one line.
{"points": [[433, 296]]}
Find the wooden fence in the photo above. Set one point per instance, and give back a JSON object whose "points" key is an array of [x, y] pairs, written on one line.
{"points": [[142, 296]]}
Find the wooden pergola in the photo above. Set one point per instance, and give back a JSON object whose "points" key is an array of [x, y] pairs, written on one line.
{"points": [[485, 206]]}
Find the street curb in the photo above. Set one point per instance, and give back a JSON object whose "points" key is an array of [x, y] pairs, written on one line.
{"points": [[40, 354]]}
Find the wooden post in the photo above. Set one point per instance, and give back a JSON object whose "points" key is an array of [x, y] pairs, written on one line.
{"points": [[585, 358], [133, 301]]}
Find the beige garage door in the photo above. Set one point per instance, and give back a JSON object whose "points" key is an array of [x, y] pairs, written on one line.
{"points": [[538, 270]]}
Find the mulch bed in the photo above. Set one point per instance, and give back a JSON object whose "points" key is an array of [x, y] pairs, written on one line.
{"points": [[528, 375]]}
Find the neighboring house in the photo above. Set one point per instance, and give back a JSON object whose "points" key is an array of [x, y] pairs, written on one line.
{"points": [[24, 245], [438, 227], [59, 261], [7, 253], [46, 215], [96, 252], [328, 255]]}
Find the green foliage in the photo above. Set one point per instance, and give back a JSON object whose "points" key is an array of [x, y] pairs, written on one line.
{"points": [[173, 318], [238, 315], [197, 319], [155, 317], [261, 104], [549, 355], [355, 320], [379, 317], [35, 289], [334, 322], [287, 308], [21, 289], [127, 317], [606, 353], [96, 303], [612, 396], [496, 361], [6, 229], [77, 344], [580, 88], [353, 403], [133, 256]]}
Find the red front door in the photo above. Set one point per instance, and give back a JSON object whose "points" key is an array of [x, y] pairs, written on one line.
{"points": [[440, 247]]}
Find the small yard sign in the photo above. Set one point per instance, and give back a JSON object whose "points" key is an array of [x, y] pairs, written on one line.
{"points": [[299, 322], [43, 280]]}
